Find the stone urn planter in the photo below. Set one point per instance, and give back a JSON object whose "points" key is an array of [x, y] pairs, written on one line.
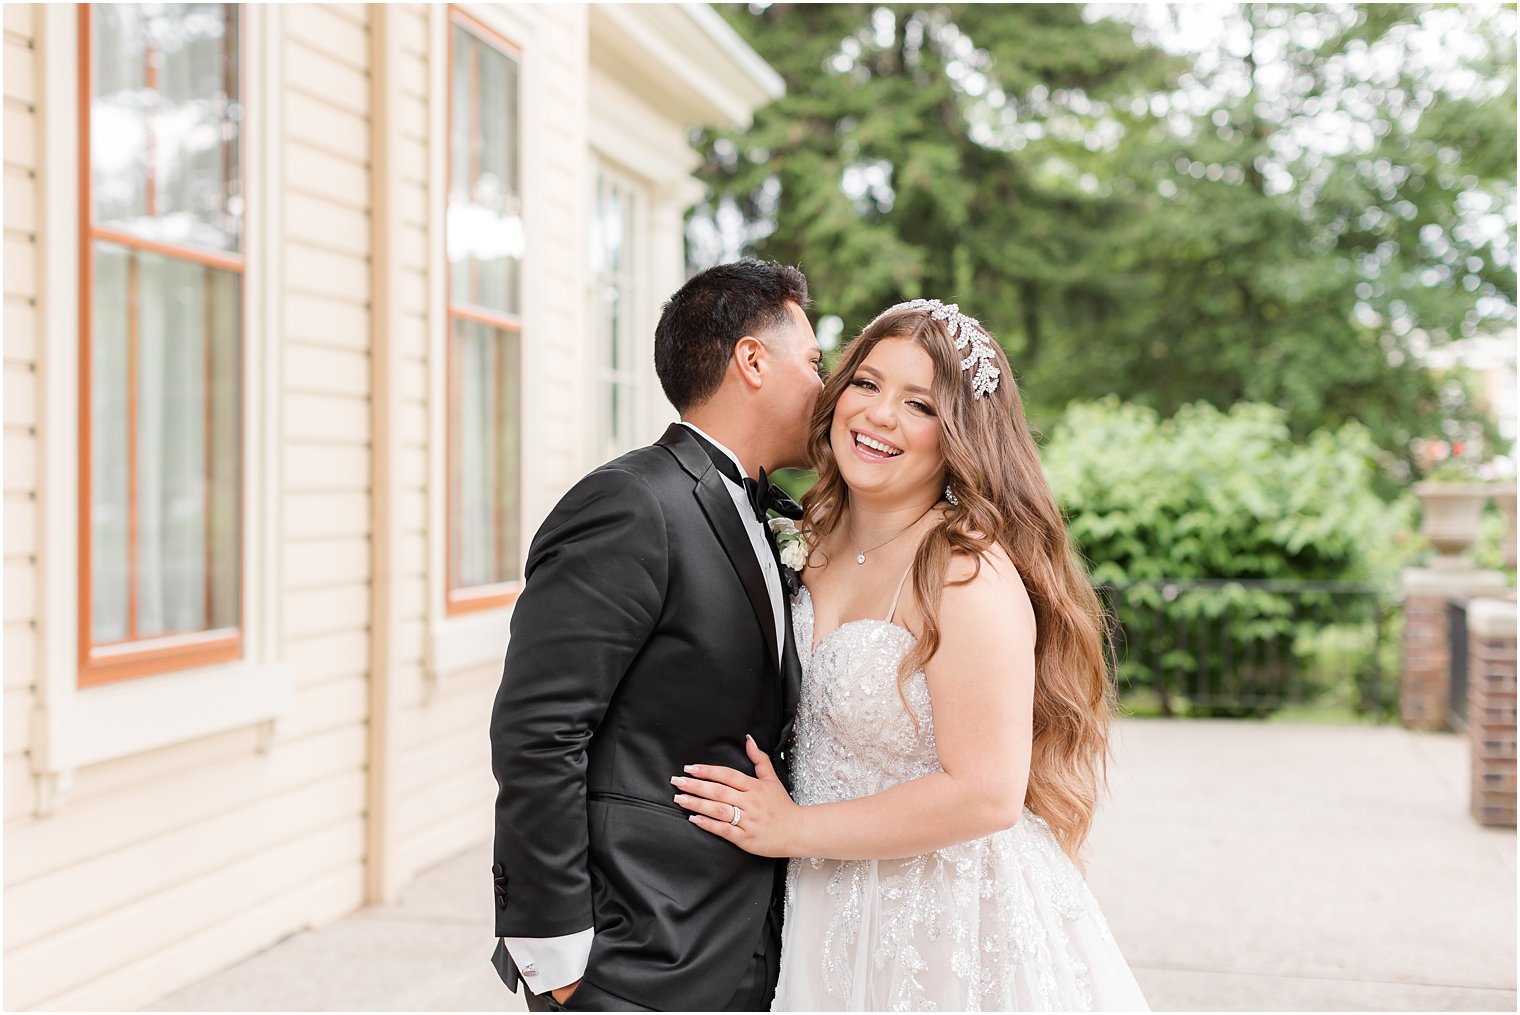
{"points": [[1450, 516], [1504, 497]]}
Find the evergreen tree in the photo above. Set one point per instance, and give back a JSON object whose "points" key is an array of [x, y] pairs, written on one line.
{"points": [[1287, 218]]}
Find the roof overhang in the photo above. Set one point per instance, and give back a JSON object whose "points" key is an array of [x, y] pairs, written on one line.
{"points": [[687, 58]]}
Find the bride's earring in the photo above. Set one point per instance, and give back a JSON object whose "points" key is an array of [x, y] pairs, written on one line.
{"points": [[951, 497]]}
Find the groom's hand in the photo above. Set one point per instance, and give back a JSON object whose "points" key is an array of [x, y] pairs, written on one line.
{"points": [[562, 994]]}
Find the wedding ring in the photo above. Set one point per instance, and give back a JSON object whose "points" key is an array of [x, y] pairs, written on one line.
{"points": [[737, 815]]}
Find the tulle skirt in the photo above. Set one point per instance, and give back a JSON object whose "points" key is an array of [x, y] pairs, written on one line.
{"points": [[1004, 923]]}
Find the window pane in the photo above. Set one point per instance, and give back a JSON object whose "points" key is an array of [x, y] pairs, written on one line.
{"points": [[183, 320], [165, 122], [613, 289], [224, 524], [485, 230], [109, 465], [183, 342], [485, 511], [119, 111], [461, 163], [623, 354]]}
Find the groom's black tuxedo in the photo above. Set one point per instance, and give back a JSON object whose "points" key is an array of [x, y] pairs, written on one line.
{"points": [[644, 640]]}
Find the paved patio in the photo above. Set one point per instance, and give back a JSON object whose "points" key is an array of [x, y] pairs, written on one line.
{"points": [[1243, 866]]}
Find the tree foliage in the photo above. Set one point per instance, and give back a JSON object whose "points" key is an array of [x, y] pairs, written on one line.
{"points": [[1289, 215]]}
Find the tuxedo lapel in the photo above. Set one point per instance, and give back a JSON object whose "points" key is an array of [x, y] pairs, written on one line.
{"points": [[713, 496], [791, 666], [791, 682]]}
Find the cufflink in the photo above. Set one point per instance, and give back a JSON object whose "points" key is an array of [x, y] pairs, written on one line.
{"points": [[529, 970]]}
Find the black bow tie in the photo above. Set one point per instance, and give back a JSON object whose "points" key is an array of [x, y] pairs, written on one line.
{"points": [[763, 495]]}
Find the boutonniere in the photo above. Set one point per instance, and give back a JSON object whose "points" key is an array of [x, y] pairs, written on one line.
{"points": [[791, 543]]}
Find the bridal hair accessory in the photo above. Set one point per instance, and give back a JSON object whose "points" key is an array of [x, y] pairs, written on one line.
{"points": [[965, 331], [950, 497]]}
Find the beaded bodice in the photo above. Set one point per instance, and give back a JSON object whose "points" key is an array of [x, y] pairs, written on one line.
{"points": [[999, 923], [853, 736]]}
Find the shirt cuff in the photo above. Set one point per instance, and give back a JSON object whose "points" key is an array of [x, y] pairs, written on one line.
{"points": [[548, 963]]}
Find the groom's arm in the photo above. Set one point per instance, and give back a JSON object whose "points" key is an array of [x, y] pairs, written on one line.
{"points": [[595, 586]]}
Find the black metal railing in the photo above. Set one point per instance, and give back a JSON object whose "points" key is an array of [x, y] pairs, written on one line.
{"points": [[1227, 647], [1456, 638]]}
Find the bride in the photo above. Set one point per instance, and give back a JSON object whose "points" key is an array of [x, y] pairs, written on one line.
{"points": [[952, 734]]}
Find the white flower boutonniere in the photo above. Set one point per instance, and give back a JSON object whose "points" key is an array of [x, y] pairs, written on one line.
{"points": [[791, 543]]}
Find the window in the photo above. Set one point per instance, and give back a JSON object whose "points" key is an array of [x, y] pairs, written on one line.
{"points": [[161, 338], [484, 241], [614, 290]]}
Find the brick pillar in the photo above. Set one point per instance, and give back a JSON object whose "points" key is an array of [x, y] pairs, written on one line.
{"points": [[1426, 682], [1491, 709]]}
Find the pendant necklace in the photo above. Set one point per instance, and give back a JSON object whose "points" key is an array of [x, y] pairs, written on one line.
{"points": [[860, 555]]}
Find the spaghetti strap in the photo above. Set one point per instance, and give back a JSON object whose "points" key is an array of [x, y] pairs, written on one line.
{"points": [[898, 594]]}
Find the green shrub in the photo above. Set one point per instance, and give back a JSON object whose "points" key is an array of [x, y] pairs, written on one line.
{"points": [[1232, 495], [1211, 494]]}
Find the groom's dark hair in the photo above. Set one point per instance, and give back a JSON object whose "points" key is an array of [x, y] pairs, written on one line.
{"points": [[700, 325]]}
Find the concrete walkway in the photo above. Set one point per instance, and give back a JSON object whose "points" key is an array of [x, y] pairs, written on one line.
{"points": [[1243, 867]]}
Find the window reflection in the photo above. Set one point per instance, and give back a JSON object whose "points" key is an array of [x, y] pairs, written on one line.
{"points": [[166, 123], [485, 229]]}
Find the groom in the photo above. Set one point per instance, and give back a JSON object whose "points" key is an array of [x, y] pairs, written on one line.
{"points": [[653, 633]]}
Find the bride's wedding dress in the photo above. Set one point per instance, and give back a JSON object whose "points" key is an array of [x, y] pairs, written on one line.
{"points": [[1003, 923]]}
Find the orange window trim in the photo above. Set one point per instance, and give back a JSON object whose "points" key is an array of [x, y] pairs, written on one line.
{"points": [[484, 597], [484, 32], [494, 596], [141, 657]]}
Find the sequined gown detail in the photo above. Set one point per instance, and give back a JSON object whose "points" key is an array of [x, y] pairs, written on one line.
{"points": [[1003, 923]]}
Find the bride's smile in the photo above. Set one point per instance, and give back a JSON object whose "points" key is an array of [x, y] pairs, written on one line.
{"points": [[873, 448]]}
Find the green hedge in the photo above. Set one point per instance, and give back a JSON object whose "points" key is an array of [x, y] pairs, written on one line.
{"points": [[1212, 494], [1209, 494]]}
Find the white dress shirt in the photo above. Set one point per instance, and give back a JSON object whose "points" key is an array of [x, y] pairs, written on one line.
{"points": [[548, 963]]}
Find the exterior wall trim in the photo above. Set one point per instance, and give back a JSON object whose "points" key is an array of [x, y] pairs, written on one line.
{"points": [[382, 882], [704, 70]]}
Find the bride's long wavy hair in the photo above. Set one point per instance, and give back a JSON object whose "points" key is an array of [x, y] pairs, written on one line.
{"points": [[993, 467]]}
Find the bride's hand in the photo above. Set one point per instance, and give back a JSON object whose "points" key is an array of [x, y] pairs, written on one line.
{"points": [[769, 822]]}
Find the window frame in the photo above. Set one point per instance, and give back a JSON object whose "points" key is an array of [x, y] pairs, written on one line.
{"points": [[73, 725], [133, 657], [634, 379], [470, 599]]}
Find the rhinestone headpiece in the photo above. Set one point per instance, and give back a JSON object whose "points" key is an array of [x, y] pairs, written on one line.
{"points": [[965, 331]]}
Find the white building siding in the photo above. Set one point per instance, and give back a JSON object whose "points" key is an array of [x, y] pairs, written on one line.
{"points": [[166, 865], [327, 383]]}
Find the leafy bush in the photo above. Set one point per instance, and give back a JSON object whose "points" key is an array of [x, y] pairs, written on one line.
{"points": [[1212, 494], [1209, 495]]}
